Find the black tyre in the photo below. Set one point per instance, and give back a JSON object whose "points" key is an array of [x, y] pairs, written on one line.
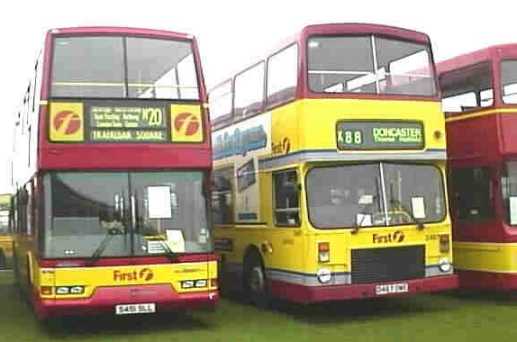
{"points": [[256, 285]]}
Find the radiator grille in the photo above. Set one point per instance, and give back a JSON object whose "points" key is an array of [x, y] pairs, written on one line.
{"points": [[387, 264]]}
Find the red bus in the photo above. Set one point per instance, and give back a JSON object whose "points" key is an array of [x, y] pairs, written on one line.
{"points": [[480, 101], [111, 166]]}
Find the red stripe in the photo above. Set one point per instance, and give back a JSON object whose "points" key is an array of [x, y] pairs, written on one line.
{"points": [[487, 280], [106, 298], [83, 262], [312, 294]]}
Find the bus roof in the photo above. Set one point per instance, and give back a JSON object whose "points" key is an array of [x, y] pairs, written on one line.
{"points": [[362, 28], [334, 29], [483, 55], [111, 30]]}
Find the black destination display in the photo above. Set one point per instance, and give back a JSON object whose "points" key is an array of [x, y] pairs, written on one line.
{"points": [[129, 123], [379, 135]]}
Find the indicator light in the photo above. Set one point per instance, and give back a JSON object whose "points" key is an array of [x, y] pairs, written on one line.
{"points": [[323, 252], [445, 244]]}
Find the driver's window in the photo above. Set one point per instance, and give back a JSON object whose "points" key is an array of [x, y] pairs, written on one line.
{"points": [[287, 208]]}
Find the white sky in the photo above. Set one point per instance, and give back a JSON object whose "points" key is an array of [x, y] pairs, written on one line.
{"points": [[231, 34]]}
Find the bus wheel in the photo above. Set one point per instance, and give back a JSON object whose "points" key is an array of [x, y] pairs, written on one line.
{"points": [[255, 286]]}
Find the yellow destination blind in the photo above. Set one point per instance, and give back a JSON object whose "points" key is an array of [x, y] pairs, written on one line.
{"points": [[186, 123]]}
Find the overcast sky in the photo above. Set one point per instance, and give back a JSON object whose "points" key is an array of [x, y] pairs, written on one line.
{"points": [[232, 34]]}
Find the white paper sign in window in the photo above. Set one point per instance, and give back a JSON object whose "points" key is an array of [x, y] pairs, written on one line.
{"points": [[155, 247], [418, 207], [366, 200], [159, 202], [513, 210], [363, 220], [175, 240]]}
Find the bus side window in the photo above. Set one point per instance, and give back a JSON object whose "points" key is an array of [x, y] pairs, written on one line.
{"points": [[282, 75], [472, 194], [286, 204], [21, 212], [221, 99], [13, 215], [249, 91], [467, 89], [222, 196]]}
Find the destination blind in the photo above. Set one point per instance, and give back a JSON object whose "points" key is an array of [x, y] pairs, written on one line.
{"points": [[379, 135], [127, 123]]}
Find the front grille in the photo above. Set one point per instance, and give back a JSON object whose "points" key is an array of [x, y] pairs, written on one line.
{"points": [[387, 264]]}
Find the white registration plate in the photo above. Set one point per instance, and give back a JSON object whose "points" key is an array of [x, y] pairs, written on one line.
{"points": [[130, 309], [386, 289]]}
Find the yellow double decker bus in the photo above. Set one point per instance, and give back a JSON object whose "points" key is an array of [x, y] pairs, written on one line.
{"points": [[329, 169]]}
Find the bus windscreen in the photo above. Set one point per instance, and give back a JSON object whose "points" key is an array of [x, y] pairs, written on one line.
{"points": [[370, 65], [123, 67], [152, 213], [509, 81], [377, 194]]}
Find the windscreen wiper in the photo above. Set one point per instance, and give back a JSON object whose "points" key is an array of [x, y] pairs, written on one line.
{"points": [[103, 245], [168, 251], [359, 224]]}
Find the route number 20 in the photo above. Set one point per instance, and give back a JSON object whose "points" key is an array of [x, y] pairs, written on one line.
{"points": [[153, 116]]}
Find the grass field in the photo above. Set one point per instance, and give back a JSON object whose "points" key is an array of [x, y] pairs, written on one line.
{"points": [[450, 317]]}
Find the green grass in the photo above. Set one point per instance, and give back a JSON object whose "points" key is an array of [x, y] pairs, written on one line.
{"points": [[446, 317]]}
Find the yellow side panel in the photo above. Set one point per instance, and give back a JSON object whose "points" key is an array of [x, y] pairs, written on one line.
{"points": [[487, 257], [6, 245], [311, 123]]}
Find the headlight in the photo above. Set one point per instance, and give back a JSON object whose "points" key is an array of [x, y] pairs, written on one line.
{"points": [[69, 290], [324, 275], [62, 290], [76, 290], [201, 283], [444, 265], [187, 284]]}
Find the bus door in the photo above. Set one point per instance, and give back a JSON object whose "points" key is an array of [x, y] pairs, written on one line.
{"points": [[283, 245], [473, 205]]}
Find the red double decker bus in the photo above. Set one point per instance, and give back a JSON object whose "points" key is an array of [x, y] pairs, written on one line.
{"points": [[111, 164], [480, 100]]}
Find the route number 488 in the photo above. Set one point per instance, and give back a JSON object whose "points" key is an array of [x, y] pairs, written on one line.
{"points": [[353, 137]]}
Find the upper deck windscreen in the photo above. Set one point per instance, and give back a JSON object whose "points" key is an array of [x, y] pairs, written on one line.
{"points": [[123, 67], [370, 65], [509, 81]]}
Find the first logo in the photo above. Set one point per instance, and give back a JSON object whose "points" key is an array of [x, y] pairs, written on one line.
{"points": [[67, 122]]}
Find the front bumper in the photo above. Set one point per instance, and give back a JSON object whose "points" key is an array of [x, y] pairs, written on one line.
{"points": [[104, 300], [313, 294]]}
